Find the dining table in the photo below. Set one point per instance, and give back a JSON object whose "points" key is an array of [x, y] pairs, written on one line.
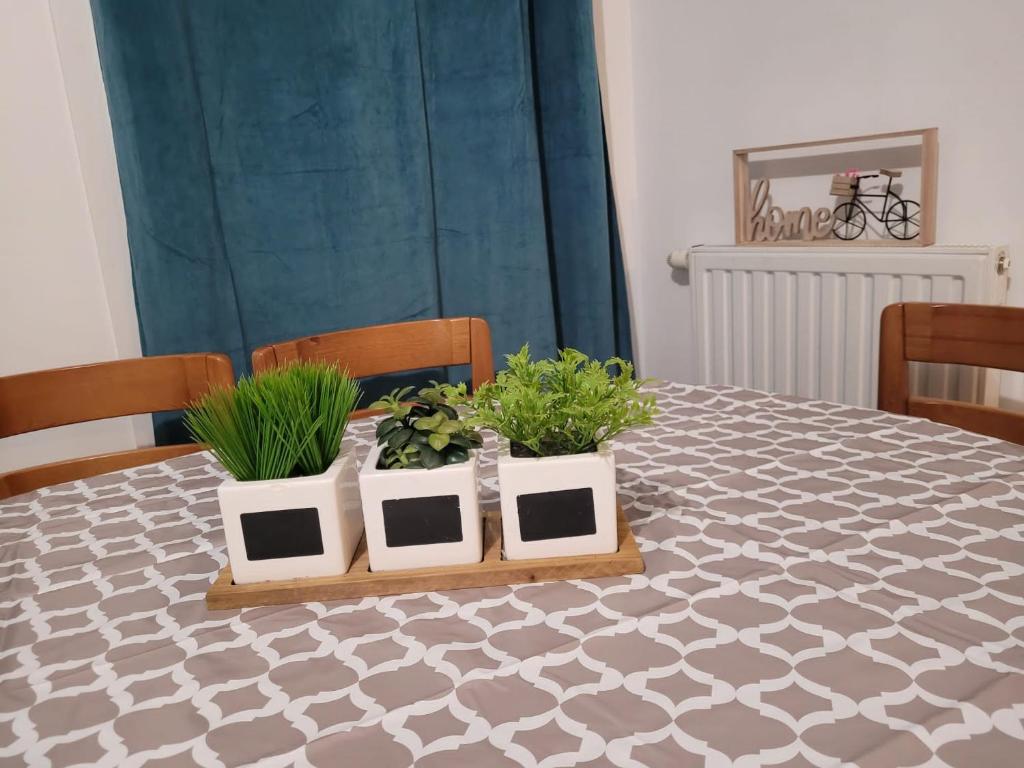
{"points": [[824, 585]]}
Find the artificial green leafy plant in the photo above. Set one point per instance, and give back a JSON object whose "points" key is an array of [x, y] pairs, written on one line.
{"points": [[558, 407], [424, 432], [287, 422]]}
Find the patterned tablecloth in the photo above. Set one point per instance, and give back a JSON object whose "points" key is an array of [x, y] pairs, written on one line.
{"points": [[824, 584]]}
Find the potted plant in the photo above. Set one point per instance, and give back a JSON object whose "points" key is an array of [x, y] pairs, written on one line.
{"points": [[418, 485], [556, 468], [291, 509]]}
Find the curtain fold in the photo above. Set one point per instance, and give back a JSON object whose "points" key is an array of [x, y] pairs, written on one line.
{"points": [[291, 168]]}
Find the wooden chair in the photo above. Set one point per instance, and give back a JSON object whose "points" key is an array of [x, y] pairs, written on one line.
{"points": [[391, 348], [963, 334], [52, 398]]}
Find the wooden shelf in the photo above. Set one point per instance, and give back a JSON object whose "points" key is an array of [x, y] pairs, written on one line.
{"points": [[490, 572]]}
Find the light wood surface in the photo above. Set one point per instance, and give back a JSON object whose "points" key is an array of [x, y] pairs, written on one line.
{"points": [[25, 480], [391, 348], [959, 334], [43, 399], [835, 243], [844, 140], [740, 196], [490, 572], [929, 185], [929, 190]]}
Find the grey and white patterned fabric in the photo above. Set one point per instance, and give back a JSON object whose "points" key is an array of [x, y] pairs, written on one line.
{"points": [[824, 585]]}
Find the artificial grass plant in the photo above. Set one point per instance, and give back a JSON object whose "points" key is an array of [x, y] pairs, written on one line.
{"points": [[287, 422]]}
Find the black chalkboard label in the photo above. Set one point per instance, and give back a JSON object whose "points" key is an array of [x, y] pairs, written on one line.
{"points": [[423, 520], [556, 514], [279, 533]]}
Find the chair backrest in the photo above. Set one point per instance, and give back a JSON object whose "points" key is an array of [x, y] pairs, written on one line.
{"points": [[53, 398], [962, 334], [392, 348]]}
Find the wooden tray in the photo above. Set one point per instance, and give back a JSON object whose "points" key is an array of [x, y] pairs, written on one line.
{"points": [[492, 571]]}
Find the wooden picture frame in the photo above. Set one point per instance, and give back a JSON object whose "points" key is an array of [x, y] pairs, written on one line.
{"points": [[929, 142]]}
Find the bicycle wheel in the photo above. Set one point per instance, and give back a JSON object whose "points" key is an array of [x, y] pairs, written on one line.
{"points": [[903, 220], [848, 221]]}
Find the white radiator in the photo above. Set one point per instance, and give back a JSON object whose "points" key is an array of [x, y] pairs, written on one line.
{"points": [[805, 321]]}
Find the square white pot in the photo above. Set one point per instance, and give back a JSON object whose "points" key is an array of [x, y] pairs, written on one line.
{"points": [[419, 518], [295, 528], [557, 506]]}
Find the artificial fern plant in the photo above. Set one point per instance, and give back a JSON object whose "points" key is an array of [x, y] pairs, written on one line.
{"points": [[558, 407], [287, 422], [424, 433]]}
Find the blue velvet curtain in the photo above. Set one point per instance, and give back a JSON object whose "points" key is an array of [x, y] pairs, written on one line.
{"points": [[295, 167]]}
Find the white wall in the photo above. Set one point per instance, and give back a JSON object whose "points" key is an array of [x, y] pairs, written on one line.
{"points": [[65, 281], [708, 77]]}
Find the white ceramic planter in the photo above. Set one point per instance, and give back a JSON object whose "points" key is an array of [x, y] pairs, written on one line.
{"points": [[557, 506], [296, 528], [419, 518]]}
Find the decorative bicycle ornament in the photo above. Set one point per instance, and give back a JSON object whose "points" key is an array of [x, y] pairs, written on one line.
{"points": [[901, 218]]}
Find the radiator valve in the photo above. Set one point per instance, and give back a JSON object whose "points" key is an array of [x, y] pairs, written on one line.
{"points": [[679, 259]]}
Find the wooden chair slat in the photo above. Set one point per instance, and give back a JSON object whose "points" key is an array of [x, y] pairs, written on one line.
{"points": [[21, 481], [53, 398], [970, 416], [391, 348], [965, 334], [43, 399], [959, 334]]}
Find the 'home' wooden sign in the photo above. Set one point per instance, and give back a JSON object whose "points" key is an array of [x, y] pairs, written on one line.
{"points": [[767, 223], [902, 221]]}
